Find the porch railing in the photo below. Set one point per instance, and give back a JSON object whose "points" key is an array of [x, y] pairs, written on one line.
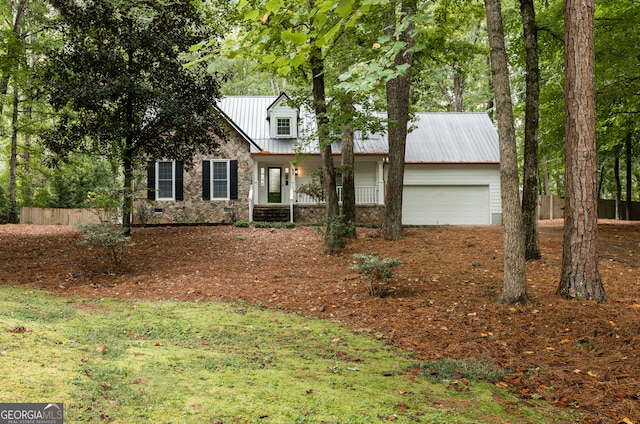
{"points": [[364, 195]]}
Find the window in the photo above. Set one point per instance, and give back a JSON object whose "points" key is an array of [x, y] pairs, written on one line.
{"points": [[283, 127], [165, 180], [219, 179]]}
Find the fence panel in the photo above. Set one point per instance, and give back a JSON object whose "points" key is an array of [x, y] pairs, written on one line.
{"points": [[57, 216], [552, 207]]}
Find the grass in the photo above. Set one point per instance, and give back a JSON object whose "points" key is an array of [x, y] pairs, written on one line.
{"points": [[169, 362]]}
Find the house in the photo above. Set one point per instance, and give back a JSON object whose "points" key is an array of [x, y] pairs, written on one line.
{"points": [[452, 172]]}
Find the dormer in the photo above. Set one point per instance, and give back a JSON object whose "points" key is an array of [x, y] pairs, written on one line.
{"points": [[283, 118]]}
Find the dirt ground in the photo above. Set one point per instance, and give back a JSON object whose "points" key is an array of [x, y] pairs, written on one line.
{"points": [[443, 302]]}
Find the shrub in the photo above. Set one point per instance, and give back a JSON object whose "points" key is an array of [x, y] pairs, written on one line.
{"points": [[112, 238], [108, 235], [336, 232], [375, 271]]}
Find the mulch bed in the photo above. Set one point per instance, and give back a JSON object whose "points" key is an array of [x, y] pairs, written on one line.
{"points": [[442, 302]]}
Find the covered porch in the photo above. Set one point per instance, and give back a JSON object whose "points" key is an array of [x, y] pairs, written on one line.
{"points": [[273, 194]]}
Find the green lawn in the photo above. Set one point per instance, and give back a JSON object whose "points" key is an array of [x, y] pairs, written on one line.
{"points": [[172, 362]]}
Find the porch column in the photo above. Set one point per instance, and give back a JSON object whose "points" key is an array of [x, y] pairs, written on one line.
{"points": [[381, 182]]}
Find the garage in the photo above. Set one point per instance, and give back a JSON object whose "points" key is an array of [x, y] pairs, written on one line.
{"points": [[446, 205]]}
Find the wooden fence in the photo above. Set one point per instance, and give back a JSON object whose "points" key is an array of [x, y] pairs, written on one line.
{"points": [[552, 207], [55, 216]]}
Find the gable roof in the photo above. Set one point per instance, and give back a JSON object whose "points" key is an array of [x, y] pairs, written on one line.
{"points": [[464, 137]]}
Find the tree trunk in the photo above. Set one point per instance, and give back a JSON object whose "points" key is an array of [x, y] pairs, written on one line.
{"points": [[348, 181], [514, 290], [398, 115], [545, 176], [13, 161], [530, 182], [580, 278], [12, 52], [458, 92], [629, 159], [320, 109], [616, 174], [127, 207]]}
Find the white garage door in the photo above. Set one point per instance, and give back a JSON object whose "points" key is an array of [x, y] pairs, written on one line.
{"points": [[445, 205]]}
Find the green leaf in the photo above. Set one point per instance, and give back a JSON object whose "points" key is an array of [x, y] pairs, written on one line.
{"points": [[281, 62], [293, 37], [298, 60], [328, 36], [325, 6], [284, 71], [319, 20], [344, 8], [251, 15], [196, 47], [274, 5], [242, 4], [268, 58]]}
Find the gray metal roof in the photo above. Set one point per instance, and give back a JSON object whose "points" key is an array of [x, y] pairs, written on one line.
{"points": [[462, 137], [435, 138]]}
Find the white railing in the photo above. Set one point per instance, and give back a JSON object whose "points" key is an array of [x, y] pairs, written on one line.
{"points": [[364, 195]]}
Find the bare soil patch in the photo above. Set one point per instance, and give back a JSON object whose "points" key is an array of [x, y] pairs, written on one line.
{"points": [[443, 303]]}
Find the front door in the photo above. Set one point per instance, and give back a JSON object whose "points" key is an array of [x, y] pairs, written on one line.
{"points": [[274, 184]]}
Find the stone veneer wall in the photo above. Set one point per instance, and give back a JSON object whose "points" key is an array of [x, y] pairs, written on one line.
{"points": [[365, 214], [193, 209]]}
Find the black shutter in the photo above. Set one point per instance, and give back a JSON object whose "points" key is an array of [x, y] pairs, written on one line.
{"points": [[151, 180], [179, 181], [206, 180], [233, 179]]}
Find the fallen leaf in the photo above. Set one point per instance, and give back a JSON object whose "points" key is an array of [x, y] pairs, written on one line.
{"points": [[101, 348], [625, 420], [592, 374], [612, 323], [565, 340], [138, 381], [502, 385], [551, 349]]}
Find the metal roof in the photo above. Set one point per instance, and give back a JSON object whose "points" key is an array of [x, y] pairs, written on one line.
{"points": [[435, 137]]}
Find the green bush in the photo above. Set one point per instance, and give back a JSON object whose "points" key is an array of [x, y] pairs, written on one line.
{"points": [[376, 272], [335, 234], [109, 234], [113, 239]]}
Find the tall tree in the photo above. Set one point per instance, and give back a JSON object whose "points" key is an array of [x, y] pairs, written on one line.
{"points": [[580, 278], [530, 182], [629, 160], [120, 88], [16, 11], [514, 290], [400, 28]]}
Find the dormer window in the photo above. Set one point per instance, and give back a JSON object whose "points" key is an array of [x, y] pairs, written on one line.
{"points": [[283, 127], [283, 118]]}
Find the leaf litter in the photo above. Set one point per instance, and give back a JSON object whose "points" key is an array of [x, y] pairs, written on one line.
{"points": [[443, 304]]}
